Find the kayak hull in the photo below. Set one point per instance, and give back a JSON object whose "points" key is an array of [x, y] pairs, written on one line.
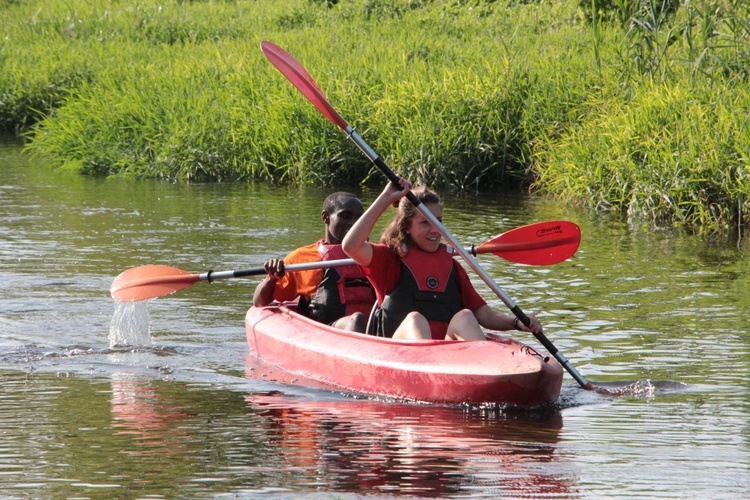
{"points": [[496, 370]]}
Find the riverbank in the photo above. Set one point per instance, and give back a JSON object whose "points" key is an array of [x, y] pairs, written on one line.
{"points": [[644, 115]]}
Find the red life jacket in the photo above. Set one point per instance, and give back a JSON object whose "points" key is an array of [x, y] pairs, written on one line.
{"points": [[343, 290], [427, 285]]}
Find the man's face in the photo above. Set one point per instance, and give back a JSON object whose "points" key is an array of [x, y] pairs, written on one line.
{"points": [[342, 218]]}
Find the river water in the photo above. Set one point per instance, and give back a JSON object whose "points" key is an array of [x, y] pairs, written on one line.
{"points": [[101, 401]]}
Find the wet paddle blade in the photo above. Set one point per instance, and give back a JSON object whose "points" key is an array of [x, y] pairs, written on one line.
{"points": [[148, 282], [540, 244], [295, 73]]}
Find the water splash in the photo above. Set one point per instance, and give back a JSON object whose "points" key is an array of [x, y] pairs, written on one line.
{"points": [[130, 325], [643, 389], [640, 389]]}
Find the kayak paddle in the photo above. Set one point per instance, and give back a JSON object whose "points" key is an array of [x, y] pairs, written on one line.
{"points": [[296, 74], [542, 243], [151, 281]]}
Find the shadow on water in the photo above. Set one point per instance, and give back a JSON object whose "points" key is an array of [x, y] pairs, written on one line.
{"points": [[571, 395]]}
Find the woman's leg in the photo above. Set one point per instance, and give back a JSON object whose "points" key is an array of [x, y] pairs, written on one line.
{"points": [[464, 326], [356, 322], [413, 327]]}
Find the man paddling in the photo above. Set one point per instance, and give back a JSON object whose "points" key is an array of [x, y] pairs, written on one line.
{"points": [[338, 296]]}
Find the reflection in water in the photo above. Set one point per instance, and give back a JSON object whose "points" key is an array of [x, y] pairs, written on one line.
{"points": [[345, 445], [151, 429], [423, 450], [141, 410]]}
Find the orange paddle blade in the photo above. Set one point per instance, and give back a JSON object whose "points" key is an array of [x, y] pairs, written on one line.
{"points": [[148, 282]]}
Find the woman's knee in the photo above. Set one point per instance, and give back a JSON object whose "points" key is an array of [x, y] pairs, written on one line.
{"points": [[464, 326], [356, 322], [415, 317], [414, 326], [465, 315]]}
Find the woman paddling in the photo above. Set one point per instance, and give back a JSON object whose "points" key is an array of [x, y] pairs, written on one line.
{"points": [[422, 291]]}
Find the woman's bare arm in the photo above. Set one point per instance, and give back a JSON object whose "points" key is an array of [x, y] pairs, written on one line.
{"points": [[355, 243]]}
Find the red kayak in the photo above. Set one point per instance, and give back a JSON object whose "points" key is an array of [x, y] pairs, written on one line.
{"points": [[291, 348]]}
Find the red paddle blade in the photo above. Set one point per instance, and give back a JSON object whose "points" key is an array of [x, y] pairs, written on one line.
{"points": [[295, 73], [539, 244], [148, 282], [279, 53]]}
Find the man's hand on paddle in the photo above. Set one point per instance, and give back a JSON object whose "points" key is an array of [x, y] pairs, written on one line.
{"points": [[274, 268]]}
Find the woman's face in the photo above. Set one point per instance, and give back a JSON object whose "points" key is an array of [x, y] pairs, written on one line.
{"points": [[421, 233]]}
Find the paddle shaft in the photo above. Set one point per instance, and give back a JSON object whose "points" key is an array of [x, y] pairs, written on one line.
{"points": [[514, 308], [542, 243], [211, 276], [182, 280]]}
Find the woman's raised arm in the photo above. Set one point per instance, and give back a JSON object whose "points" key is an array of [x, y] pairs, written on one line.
{"points": [[355, 243]]}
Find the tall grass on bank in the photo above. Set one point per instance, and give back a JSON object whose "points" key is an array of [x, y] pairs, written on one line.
{"points": [[448, 111], [670, 155], [670, 144], [631, 105]]}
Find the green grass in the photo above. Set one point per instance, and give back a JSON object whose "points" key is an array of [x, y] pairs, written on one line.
{"points": [[643, 111]]}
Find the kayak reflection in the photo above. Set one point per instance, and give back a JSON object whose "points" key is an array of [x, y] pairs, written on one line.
{"points": [[148, 414], [423, 450]]}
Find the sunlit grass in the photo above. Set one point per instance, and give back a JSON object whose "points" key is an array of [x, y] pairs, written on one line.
{"points": [[643, 111]]}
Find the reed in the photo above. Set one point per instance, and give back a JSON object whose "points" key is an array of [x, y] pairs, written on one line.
{"points": [[673, 154], [668, 145], [636, 106]]}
